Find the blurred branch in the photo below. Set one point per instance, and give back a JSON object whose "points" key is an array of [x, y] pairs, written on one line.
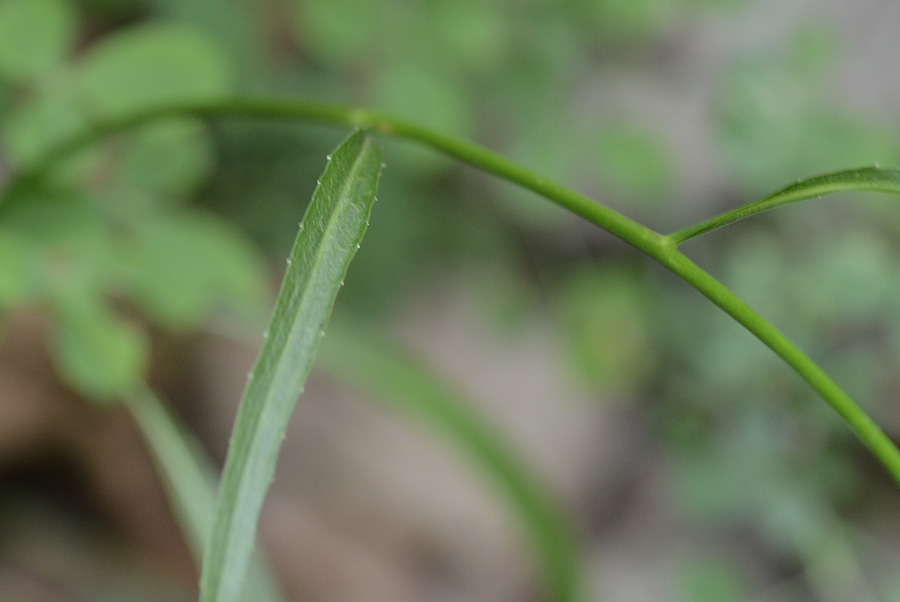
{"points": [[379, 368]]}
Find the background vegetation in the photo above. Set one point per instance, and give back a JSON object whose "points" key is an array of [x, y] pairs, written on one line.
{"points": [[732, 480]]}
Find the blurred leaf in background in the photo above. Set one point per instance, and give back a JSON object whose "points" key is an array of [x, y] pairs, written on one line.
{"points": [[182, 265], [148, 66], [96, 353], [711, 578], [634, 165], [606, 316], [113, 227], [35, 37]]}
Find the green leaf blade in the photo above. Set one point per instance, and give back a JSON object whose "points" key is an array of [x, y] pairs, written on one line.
{"points": [[329, 236], [865, 179]]}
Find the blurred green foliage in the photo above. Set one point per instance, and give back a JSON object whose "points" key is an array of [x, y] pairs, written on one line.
{"points": [[113, 227], [36, 36], [707, 578], [162, 228], [597, 307], [777, 119]]}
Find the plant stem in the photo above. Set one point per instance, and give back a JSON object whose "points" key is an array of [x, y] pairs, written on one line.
{"points": [[871, 179], [660, 248], [865, 428]]}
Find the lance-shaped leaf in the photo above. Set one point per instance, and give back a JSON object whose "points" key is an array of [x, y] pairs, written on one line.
{"points": [[329, 236], [868, 179]]}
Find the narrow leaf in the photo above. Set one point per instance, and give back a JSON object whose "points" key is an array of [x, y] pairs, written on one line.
{"points": [[866, 179], [373, 366], [329, 236], [190, 479]]}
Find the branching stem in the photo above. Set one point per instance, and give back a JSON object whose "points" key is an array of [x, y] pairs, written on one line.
{"points": [[660, 248]]}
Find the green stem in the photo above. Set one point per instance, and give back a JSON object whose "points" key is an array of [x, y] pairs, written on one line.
{"points": [[660, 248], [871, 179], [860, 422]]}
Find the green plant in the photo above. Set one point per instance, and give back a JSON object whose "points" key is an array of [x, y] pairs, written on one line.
{"points": [[162, 150], [227, 561]]}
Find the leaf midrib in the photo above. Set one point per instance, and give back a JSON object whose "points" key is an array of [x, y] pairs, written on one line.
{"points": [[294, 321]]}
